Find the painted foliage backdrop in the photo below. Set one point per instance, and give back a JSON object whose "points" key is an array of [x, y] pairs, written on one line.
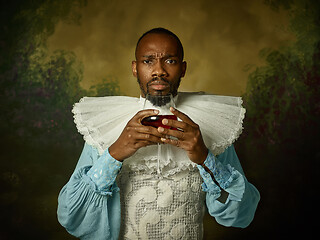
{"points": [[54, 52]]}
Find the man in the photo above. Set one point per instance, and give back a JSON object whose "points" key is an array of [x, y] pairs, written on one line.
{"points": [[200, 165]]}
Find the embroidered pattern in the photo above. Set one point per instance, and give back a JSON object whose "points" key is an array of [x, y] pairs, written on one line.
{"points": [[165, 209], [103, 173]]}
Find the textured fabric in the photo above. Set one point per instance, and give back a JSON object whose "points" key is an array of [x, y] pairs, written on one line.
{"points": [[225, 175], [89, 204], [104, 172], [88, 214], [101, 121], [166, 209], [84, 212], [220, 172]]}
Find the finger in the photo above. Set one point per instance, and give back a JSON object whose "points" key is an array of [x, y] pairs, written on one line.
{"points": [[148, 130], [174, 133], [145, 113], [174, 142], [182, 116], [183, 126], [147, 137], [141, 144]]}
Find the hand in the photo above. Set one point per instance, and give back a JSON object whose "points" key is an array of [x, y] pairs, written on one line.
{"points": [[188, 136], [135, 136]]}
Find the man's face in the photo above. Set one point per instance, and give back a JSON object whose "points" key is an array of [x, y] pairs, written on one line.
{"points": [[159, 65]]}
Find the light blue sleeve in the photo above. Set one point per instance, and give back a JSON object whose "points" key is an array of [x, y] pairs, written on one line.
{"points": [[89, 204], [240, 207]]}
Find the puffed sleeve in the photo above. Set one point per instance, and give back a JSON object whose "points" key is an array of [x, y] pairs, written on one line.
{"points": [[89, 204], [243, 197]]}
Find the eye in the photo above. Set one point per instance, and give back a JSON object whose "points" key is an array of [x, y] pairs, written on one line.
{"points": [[147, 61], [171, 61]]}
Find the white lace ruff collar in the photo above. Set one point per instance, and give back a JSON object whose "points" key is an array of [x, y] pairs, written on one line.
{"points": [[101, 120]]}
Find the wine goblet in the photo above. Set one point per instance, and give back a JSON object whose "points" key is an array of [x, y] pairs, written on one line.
{"points": [[163, 104]]}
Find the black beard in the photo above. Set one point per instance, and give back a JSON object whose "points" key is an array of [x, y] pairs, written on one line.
{"points": [[159, 100]]}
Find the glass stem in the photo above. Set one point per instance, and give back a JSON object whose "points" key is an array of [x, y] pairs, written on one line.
{"points": [[158, 160]]}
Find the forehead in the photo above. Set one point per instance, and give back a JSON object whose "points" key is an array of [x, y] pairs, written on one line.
{"points": [[158, 44]]}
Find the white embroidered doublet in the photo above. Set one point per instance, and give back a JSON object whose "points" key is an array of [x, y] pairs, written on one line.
{"points": [[161, 209]]}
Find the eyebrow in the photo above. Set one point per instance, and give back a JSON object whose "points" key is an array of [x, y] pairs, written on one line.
{"points": [[154, 56]]}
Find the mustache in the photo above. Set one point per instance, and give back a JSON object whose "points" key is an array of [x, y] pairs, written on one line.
{"points": [[158, 79]]}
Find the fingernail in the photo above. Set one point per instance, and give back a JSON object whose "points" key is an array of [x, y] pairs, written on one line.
{"points": [[172, 109], [160, 129], [156, 111], [165, 121], [163, 139]]}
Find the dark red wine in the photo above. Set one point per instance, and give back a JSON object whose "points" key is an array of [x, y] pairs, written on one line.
{"points": [[156, 121]]}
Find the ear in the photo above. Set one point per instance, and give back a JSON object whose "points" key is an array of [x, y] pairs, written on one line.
{"points": [[184, 68], [134, 68]]}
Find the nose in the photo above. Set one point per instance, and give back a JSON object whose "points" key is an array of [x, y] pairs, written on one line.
{"points": [[159, 70]]}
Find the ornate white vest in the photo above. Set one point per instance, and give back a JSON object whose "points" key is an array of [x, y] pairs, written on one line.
{"points": [[165, 209]]}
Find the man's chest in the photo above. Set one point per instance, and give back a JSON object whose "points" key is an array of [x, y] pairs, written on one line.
{"points": [[164, 209]]}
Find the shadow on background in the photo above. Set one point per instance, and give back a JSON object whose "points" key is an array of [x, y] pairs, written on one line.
{"points": [[279, 148]]}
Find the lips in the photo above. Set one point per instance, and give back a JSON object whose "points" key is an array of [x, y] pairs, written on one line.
{"points": [[158, 85]]}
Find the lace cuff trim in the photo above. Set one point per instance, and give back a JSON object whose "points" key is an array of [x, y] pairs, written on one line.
{"points": [[235, 186], [227, 177], [103, 174]]}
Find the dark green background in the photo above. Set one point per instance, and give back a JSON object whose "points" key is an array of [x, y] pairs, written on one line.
{"points": [[279, 148]]}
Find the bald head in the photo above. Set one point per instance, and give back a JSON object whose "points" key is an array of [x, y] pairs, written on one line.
{"points": [[164, 32]]}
